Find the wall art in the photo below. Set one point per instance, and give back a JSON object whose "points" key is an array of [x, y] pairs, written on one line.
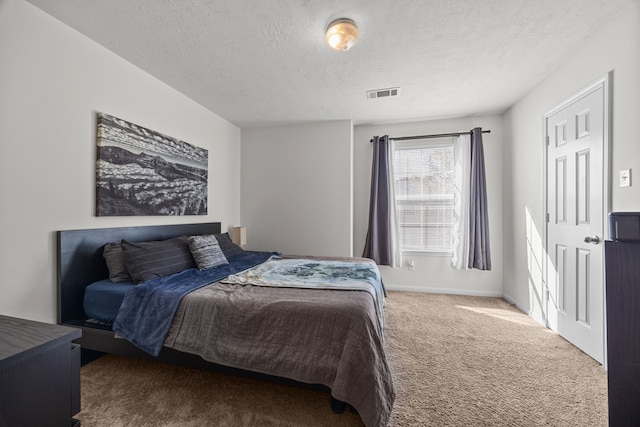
{"points": [[143, 172]]}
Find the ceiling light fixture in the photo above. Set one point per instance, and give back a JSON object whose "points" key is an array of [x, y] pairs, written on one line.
{"points": [[341, 34]]}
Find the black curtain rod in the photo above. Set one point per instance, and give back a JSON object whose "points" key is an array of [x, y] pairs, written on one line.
{"points": [[438, 135]]}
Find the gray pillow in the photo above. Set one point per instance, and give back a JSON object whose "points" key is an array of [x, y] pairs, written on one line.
{"points": [[206, 252], [148, 260], [228, 247], [114, 258]]}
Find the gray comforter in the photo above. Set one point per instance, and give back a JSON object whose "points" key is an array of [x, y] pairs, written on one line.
{"points": [[313, 336]]}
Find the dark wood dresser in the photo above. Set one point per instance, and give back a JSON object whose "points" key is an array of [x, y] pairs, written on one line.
{"points": [[623, 332], [39, 374]]}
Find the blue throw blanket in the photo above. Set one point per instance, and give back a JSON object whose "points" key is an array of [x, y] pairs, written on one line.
{"points": [[147, 311]]}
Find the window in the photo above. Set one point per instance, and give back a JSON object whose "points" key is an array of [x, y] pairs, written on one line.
{"points": [[424, 186]]}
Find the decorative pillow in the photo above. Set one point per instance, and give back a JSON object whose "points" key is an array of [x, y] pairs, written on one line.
{"points": [[114, 258], [147, 260], [206, 251], [228, 247]]}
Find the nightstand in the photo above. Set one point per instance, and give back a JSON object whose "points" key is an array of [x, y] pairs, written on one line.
{"points": [[39, 374]]}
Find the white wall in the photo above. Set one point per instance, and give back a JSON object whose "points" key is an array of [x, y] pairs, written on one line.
{"points": [[297, 188], [433, 273], [615, 47], [53, 81]]}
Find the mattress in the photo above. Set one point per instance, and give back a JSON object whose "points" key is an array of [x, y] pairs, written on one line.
{"points": [[103, 299]]}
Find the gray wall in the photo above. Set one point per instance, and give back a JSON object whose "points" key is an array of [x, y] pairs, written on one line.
{"points": [[53, 81], [304, 188], [297, 190], [298, 197], [615, 47], [433, 273]]}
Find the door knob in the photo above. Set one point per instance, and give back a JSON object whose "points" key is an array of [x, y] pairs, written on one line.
{"points": [[593, 240]]}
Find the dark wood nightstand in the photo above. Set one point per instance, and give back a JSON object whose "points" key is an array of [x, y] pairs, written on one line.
{"points": [[623, 332], [39, 374]]}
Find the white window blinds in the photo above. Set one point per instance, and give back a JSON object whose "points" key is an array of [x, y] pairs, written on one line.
{"points": [[424, 186]]}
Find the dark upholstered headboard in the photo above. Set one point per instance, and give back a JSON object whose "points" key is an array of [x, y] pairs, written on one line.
{"points": [[80, 260]]}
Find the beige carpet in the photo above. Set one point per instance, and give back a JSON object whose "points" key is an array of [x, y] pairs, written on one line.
{"points": [[457, 361]]}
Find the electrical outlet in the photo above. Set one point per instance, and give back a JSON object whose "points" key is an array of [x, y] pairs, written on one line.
{"points": [[410, 265], [625, 178]]}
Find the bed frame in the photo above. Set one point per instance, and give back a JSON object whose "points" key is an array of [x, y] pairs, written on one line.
{"points": [[80, 263], [80, 260]]}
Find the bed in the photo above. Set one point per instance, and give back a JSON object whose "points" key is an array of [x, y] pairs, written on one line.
{"points": [[257, 315]]}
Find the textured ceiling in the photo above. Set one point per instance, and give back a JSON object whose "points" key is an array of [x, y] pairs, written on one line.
{"points": [[265, 62]]}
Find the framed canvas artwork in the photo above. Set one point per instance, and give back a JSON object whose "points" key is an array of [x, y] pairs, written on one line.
{"points": [[143, 172]]}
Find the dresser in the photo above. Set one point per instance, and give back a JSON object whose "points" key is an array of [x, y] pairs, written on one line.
{"points": [[623, 332], [39, 374]]}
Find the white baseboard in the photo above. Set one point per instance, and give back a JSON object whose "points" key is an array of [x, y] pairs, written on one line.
{"points": [[530, 313], [512, 301], [443, 291]]}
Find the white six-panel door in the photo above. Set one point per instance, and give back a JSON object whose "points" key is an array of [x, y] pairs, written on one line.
{"points": [[576, 198]]}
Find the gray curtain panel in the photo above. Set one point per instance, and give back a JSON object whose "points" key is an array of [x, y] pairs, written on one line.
{"points": [[479, 248], [378, 244]]}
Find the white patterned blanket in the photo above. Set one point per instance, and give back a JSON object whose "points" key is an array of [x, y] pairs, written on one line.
{"points": [[360, 275]]}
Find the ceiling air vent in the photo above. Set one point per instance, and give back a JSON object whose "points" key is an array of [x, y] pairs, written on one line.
{"points": [[383, 93]]}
